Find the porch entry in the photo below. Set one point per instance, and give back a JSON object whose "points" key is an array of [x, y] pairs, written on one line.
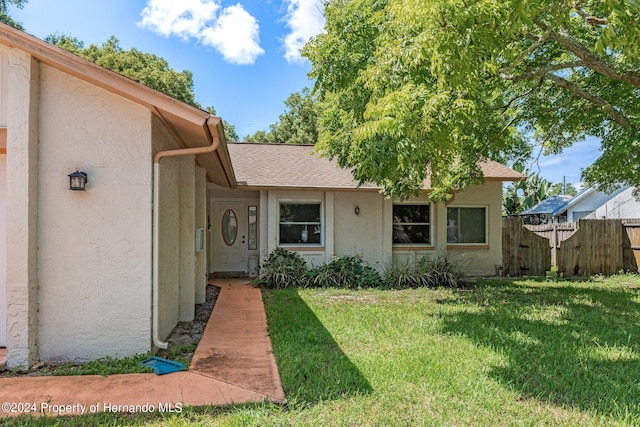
{"points": [[229, 237]]}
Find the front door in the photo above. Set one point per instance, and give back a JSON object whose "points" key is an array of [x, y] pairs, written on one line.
{"points": [[229, 236]]}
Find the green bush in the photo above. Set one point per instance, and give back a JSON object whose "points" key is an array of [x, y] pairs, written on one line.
{"points": [[426, 272], [344, 272], [282, 269], [285, 269]]}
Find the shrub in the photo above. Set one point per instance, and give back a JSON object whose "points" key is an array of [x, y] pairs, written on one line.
{"points": [[282, 269], [425, 272], [344, 272]]}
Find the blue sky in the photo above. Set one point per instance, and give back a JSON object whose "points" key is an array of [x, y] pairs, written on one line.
{"points": [[243, 53]]}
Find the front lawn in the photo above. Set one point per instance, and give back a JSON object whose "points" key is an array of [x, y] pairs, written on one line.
{"points": [[502, 353]]}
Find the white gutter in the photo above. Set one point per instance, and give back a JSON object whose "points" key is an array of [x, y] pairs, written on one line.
{"points": [[211, 122]]}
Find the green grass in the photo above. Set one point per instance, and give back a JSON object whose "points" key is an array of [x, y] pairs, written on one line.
{"points": [[503, 353], [108, 365]]}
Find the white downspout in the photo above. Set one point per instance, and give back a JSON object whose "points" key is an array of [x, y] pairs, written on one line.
{"points": [[156, 220]]}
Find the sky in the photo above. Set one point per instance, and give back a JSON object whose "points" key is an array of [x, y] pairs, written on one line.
{"points": [[244, 54]]}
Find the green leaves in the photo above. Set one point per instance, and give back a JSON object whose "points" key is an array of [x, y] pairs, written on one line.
{"points": [[148, 69], [4, 12], [416, 86]]}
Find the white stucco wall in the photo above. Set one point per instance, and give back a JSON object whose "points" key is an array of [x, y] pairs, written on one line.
{"points": [[361, 234], [187, 239], [201, 276], [369, 234], [4, 70], [178, 262], [23, 93], [169, 233], [622, 205], [3, 250], [94, 247]]}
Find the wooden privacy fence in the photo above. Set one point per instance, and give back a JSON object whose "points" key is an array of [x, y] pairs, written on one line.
{"points": [[595, 248], [578, 249], [524, 253], [556, 233]]}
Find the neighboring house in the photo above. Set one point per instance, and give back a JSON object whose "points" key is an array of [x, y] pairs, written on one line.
{"points": [[111, 270], [289, 198], [550, 210], [80, 267], [588, 203], [619, 204]]}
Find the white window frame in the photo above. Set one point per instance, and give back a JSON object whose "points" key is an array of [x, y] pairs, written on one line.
{"points": [[430, 224], [486, 224], [301, 202]]}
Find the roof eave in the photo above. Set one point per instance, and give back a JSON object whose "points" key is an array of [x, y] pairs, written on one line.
{"points": [[176, 115]]}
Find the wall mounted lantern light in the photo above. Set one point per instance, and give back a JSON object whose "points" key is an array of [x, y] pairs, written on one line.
{"points": [[357, 210], [77, 181]]}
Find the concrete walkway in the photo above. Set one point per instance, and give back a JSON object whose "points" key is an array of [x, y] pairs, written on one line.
{"points": [[233, 363]]}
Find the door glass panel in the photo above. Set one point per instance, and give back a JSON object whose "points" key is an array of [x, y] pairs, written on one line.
{"points": [[229, 227]]}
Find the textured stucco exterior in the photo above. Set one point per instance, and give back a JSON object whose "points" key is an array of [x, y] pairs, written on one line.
{"points": [[182, 204], [23, 82], [201, 275], [169, 229], [3, 250], [362, 234], [4, 76], [79, 264], [94, 247], [369, 233]]}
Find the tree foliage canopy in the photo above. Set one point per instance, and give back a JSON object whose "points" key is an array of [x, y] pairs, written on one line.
{"points": [[297, 125], [4, 12], [148, 69], [449, 83]]}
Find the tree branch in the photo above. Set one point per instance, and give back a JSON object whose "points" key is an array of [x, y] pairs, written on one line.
{"points": [[542, 71], [538, 40], [590, 59], [613, 114], [591, 20]]}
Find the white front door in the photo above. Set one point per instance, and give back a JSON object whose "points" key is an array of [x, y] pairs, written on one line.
{"points": [[229, 236]]}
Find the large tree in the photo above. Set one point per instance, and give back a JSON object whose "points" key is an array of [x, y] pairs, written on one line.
{"points": [[297, 125], [449, 83], [149, 69], [4, 12]]}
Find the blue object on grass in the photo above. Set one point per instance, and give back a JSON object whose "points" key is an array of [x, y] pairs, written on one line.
{"points": [[162, 366]]}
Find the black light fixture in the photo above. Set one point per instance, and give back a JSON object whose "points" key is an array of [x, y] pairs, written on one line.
{"points": [[77, 181], [357, 210]]}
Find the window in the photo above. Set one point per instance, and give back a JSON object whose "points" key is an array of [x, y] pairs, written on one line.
{"points": [[467, 225], [300, 223], [411, 224]]}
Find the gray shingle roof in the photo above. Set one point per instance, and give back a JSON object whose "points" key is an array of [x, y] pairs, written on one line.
{"points": [[294, 166]]}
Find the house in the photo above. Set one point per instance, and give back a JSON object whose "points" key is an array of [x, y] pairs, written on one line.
{"points": [[111, 270], [287, 197], [619, 204], [589, 203], [93, 273], [550, 210]]}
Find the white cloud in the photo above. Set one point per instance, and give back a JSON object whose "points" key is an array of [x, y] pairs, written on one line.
{"points": [[304, 20], [231, 30], [235, 35]]}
